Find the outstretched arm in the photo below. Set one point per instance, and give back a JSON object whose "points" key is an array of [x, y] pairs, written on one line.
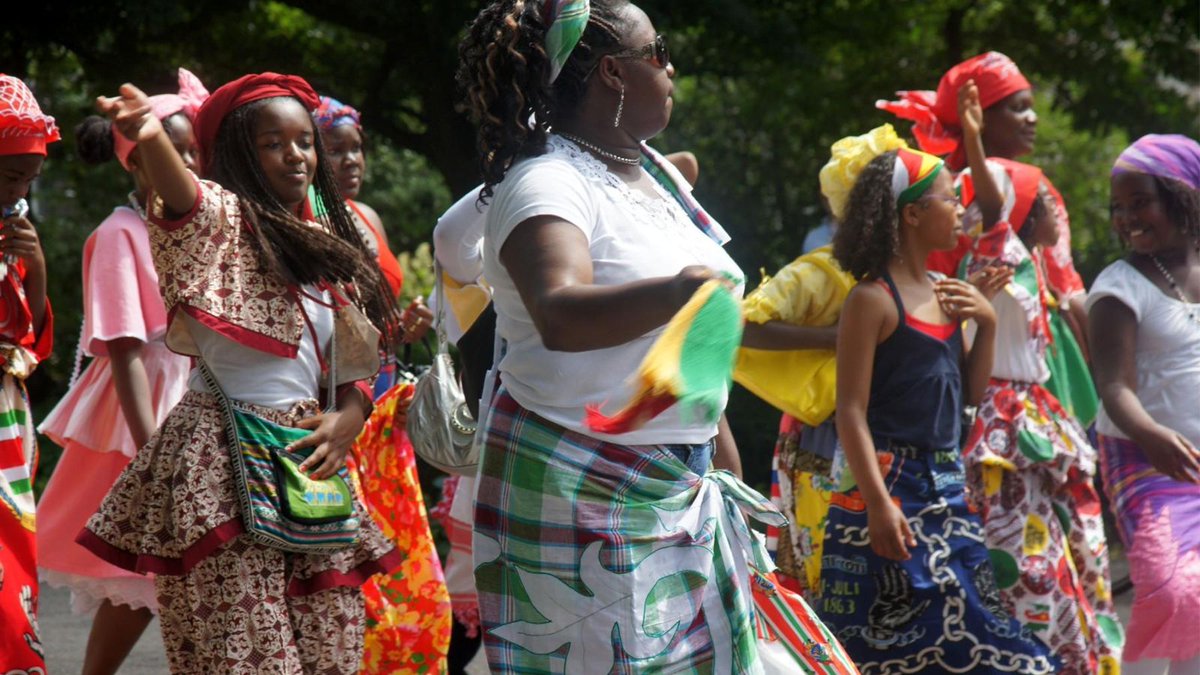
{"points": [[131, 115], [782, 336]]}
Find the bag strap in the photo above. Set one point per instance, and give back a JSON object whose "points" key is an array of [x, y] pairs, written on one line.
{"points": [[439, 317]]}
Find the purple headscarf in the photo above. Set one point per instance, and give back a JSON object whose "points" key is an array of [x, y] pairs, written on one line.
{"points": [[1165, 155]]}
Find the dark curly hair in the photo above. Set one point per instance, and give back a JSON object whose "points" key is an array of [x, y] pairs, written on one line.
{"points": [[1182, 205], [504, 73], [297, 252], [868, 236]]}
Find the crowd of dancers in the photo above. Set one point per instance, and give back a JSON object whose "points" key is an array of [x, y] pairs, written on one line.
{"points": [[954, 398]]}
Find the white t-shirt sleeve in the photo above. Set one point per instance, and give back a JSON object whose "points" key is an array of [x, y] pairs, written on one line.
{"points": [[458, 238], [1117, 281], [540, 187]]}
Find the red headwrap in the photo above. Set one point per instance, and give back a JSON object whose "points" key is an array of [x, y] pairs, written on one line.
{"points": [[24, 129], [233, 95], [935, 114]]}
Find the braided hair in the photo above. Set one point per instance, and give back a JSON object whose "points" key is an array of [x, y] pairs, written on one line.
{"points": [[504, 77], [293, 249], [868, 237]]}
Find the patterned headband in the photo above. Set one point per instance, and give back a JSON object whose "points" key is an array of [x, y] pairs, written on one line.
{"points": [[914, 172], [565, 21], [1166, 155]]}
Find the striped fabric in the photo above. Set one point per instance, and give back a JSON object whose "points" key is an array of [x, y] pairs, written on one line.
{"points": [[673, 182], [594, 558], [20, 647], [259, 493]]}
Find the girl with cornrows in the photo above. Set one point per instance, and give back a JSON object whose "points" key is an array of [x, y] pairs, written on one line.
{"points": [[906, 581], [1145, 315], [256, 288], [594, 552], [117, 403]]}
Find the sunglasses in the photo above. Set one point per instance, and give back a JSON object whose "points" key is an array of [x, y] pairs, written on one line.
{"points": [[656, 51]]}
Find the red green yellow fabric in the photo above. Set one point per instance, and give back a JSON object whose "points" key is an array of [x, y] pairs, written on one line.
{"points": [[691, 363]]}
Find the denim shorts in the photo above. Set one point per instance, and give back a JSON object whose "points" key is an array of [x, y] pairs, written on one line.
{"points": [[696, 456]]}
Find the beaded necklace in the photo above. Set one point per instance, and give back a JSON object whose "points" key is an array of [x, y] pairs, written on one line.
{"points": [[631, 161], [1176, 288]]}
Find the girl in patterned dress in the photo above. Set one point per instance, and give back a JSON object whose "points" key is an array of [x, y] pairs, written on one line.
{"points": [[256, 286], [26, 333], [906, 581], [115, 405]]}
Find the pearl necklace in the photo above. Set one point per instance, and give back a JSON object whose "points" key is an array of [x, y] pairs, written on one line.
{"points": [[631, 161], [1175, 287]]}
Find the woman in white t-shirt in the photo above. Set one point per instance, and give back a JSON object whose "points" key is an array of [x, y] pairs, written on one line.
{"points": [[594, 552], [1144, 312]]}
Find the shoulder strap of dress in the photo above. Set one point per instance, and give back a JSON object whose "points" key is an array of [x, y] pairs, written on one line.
{"points": [[887, 277]]}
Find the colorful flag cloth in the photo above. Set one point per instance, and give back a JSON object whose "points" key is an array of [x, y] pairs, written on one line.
{"points": [[691, 363], [408, 611]]}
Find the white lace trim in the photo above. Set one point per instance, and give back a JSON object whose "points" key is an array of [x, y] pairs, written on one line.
{"points": [[87, 593], [663, 211]]}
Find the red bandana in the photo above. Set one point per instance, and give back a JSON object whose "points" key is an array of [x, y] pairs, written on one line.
{"points": [[935, 114], [233, 95]]}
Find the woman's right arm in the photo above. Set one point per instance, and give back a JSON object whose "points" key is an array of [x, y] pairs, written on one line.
{"points": [[987, 193], [550, 264], [131, 114], [1113, 327], [859, 332]]}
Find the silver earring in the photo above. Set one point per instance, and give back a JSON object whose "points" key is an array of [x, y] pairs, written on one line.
{"points": [[620, 107]]}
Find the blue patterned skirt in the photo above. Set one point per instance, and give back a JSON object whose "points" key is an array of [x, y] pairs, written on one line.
{"points": [[939, 611]]}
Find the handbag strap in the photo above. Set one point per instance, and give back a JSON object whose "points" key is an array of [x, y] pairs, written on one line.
{"points": [[439, 317]]}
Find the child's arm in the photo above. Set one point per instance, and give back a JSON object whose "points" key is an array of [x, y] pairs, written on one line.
{"points": [[1114, 330], [725, 450], [859, 332], [987, 193], [130, 113], [962, 301], [782, 336], [133, 387]]}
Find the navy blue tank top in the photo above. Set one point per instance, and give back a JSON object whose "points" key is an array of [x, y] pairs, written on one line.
{"points": [[916, 386]]}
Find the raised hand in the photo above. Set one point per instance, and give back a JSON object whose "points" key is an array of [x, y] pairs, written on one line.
{"points": [[130, 113], [970, 112]]}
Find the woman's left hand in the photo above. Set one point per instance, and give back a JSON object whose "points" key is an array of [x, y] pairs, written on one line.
{"points": [[963, 301], [991, 279], [18, 237], [334, 434]]}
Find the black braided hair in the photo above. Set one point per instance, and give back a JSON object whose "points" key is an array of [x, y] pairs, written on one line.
{"points": [[504, 75], [296, 251]]}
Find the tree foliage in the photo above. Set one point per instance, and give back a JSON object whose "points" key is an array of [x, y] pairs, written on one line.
{"points": [[764, 87]]}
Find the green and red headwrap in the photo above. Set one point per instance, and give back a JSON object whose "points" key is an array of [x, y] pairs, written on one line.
{"points": [[914, 172], [565, 22]]}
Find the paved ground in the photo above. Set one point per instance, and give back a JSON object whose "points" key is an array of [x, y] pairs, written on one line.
{"points": [[65, 635]]}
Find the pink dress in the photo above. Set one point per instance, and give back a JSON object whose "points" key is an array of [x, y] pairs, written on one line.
{"points": [[121, 300]]}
